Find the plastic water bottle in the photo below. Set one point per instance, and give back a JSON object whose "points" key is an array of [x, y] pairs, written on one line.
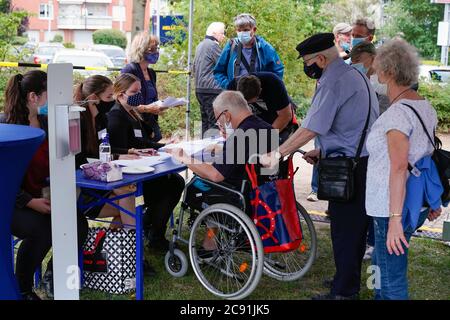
{"points": [[105, 149]]}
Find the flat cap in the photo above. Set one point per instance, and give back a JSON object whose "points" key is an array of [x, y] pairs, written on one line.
{"points": [[342, 28], [363, 47], [316, 43]]}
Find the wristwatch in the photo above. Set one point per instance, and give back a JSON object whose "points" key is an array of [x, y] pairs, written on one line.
{"points": [[392, 215]]}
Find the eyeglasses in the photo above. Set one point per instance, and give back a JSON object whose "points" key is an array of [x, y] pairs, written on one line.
{"points": [[221, 114], [153, 49], [305, 61]]}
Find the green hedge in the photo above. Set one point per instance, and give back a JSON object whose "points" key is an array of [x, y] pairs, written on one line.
{"points": [[111, 37]]}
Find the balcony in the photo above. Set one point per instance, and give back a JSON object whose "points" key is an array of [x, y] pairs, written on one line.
{"points": [[83, 1], [84, 22]]}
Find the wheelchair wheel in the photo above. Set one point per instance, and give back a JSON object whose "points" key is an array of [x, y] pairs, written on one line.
{"points": [[292, 265], [233, 270], [176, 264]]}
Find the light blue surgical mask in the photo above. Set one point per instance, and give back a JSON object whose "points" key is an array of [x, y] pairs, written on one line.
{"points": [[345, 45], [360, 67], [244, 37], [228, 129], [43, 109], [356, 41]]}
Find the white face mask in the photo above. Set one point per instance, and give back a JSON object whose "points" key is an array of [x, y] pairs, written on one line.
{"points": [[228, 129], [380, 88]]}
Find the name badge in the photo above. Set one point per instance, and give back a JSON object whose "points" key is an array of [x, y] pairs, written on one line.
{"points": [[137, 133], [100, 134]]}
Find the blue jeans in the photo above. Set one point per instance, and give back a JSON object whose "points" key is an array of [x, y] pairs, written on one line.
{"points": [[393, 269], [315, 179]]}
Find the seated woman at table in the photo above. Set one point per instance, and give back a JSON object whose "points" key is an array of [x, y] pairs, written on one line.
{"points": [[96, 95], [143, 52], [127, 130], [31, 220]]}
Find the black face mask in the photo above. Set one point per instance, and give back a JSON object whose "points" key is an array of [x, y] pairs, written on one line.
{"points": [[313, 71], [105, 106]]}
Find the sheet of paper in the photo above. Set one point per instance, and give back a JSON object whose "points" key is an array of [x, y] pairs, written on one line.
{"points": [[194, 146], [144, 161], [171, 102]]}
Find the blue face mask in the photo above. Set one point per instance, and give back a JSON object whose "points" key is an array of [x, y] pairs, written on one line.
{"points": [[152, 58], [43, 109], [135, 100], [360, 67], [345, 46], [356, 41], [244, 37]]}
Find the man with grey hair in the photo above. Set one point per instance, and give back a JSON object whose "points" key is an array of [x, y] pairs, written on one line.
{"points": [[246, 54], [343, 103], [206, 88], [236, 120], [343, 37]]}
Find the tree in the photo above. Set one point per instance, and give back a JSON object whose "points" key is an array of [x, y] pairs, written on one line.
{"points": [[417, 22], [283, 23], [138, 17], [5, 6], [9, 25]]}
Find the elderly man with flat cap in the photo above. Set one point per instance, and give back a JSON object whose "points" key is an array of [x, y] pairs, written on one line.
{"points": [[337, 117]]}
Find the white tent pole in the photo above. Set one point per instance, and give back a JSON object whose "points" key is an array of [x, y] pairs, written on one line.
{"points": [[189, 69]]}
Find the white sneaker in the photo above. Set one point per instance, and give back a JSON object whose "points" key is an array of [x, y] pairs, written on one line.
{"points": [[312, 197], [368, 253]]}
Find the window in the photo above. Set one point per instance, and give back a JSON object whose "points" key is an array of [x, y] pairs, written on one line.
{"points": [[46, 11]]}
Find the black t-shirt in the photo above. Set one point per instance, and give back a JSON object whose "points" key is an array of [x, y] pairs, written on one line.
{"points": [[241, 148], [273, 97]]}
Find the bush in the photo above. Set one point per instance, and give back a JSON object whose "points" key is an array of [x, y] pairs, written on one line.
{"points": [[58, 38], [19, 41], [439, 97], [69, 45], [110, 36]]}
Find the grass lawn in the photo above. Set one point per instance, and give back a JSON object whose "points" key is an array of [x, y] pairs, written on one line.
{"points": [[429, 277]]}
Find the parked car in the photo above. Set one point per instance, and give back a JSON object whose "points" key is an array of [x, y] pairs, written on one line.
{"points": [[115, 53], [45, 51], [82, 58], [435, 73]]}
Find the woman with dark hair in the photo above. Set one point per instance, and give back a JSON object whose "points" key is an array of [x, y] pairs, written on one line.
{"points": [[31, 221], [127, 129], [96, 95]]}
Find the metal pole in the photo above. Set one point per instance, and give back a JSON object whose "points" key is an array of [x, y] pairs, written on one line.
{"points": [[158, 20], [188, 93], [444, 50], [49, 19]]}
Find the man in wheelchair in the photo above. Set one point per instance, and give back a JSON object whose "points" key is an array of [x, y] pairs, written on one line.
{"points": [[224, 180]]}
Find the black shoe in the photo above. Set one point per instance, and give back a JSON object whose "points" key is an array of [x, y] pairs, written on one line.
{"points": [[47, 284], [205, 254], [149, 271], [328, 283], [330, 296], [30, 296]]}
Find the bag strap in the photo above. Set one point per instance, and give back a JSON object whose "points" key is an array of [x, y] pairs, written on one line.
{"points": [[423, 125], [366, 126], [251, 173], [250, 68], [237, 63]]}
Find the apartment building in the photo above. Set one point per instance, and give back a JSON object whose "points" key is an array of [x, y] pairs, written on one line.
{"points": [[76, 20]]}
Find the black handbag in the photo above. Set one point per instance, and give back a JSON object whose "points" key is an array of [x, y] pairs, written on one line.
{"points": [[337, 174], [440, 157]]}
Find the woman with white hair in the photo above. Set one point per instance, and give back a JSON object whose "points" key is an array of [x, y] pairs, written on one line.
{"points": [[143, 52], [397, 144]]}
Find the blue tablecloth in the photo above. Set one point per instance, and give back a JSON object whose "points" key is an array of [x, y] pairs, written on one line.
{"points": [[17, 146]]}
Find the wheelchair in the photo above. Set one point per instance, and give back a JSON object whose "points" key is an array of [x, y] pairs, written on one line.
{"points": [[220, 212]]}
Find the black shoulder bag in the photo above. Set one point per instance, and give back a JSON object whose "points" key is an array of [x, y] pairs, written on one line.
{"points": [[337, 174], [440, 157]]}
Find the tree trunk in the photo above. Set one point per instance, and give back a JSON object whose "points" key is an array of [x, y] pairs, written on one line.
{"points": [[138, 17]]}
